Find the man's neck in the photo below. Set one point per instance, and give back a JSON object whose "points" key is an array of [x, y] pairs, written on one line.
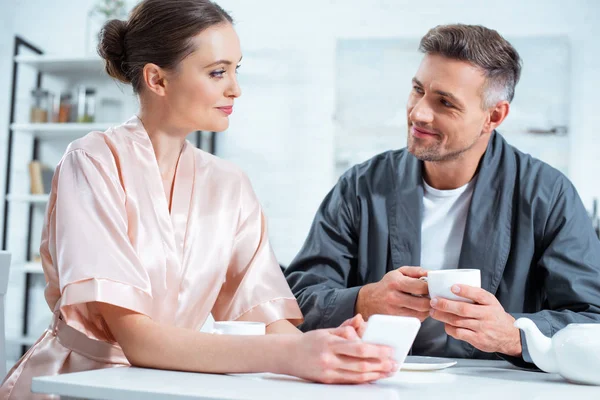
{"points": [[452, 174], [447, 175]]}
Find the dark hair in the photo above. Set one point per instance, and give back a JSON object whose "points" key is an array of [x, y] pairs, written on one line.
{"points": [[482, 47], [159, 32]]}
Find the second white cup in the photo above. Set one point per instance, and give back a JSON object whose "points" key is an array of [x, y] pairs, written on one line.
{"points": [[239, 328], [440, 282]]}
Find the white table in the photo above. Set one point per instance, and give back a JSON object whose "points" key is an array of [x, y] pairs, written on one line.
{"points": [[469, 379]]}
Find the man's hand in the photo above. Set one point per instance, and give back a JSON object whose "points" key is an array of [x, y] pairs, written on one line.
{"points": [[485, 324], [397, 293]]}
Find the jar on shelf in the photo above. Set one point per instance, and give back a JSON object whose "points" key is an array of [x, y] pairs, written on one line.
{"points": [[65, 108], [41, 106], [86, 104]]}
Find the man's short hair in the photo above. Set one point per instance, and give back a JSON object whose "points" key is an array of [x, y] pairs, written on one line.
{"points": [[482, 47]]}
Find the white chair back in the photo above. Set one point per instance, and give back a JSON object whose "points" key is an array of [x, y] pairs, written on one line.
{"points": [[4, 272]]}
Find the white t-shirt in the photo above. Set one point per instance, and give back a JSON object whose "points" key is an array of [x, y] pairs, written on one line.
{"points": [[442, 230]]}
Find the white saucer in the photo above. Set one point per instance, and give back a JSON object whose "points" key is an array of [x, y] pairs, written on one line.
{"points": [[422, 363]]}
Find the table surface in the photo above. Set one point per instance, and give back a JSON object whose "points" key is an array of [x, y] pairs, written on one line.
{"points": [[469, 379]]}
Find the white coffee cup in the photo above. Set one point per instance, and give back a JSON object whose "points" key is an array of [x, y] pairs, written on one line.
{"points": [[440, 282], [239, 328]]}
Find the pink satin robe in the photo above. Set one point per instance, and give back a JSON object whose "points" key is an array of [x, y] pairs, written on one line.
{"points": [[109, 237]]}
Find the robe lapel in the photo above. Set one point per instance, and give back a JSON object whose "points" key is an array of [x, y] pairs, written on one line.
{"points": [[404, 208], [181, 200], [486, 242], [172, 226]]}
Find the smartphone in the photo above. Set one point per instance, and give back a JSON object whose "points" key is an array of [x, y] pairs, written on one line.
{"points": [[393, 331]]}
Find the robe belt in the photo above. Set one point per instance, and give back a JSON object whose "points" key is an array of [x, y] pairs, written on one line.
{"points": [[78, 342]]}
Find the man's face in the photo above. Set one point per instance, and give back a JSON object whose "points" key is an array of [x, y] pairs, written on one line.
{"points": [[444, 110]]}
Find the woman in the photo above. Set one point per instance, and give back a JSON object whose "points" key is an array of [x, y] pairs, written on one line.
{"points": [[146, 235]]}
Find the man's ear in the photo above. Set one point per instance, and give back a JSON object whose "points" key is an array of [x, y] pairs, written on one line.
{"points": [[154, 78], [496, 115]]}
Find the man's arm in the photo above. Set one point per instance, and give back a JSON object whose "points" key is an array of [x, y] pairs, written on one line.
{"points": [[570, 269], [320, 274], [570, 265]]}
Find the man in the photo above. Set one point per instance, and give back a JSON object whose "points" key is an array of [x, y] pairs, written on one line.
{"points": [[457, 197]]}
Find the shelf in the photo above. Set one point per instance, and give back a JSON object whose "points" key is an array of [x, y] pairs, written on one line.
{"points": [[28, 267], [64, 65], [58, 130], [69, 71], [22, 340], [28, 198]]}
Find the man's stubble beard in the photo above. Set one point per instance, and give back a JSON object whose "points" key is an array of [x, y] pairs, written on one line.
{"points": [[432, 153]]}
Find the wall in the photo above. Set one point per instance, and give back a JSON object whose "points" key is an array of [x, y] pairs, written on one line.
{"points": [[309, 30], [282, 133], [290, 57], [282, 130]]}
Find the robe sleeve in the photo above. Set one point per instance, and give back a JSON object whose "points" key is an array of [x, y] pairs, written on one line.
{"points": [[569, 266], [88, 242], [254, 288], [320, 275]]}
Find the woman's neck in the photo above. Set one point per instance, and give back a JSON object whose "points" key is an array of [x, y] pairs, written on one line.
{"points": [[167, 139]]}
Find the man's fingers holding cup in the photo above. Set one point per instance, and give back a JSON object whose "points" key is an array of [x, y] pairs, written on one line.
{"points": [[412, 286], [478, 295], [413, 272], [455, 320], [458, 308], [421, 304]]}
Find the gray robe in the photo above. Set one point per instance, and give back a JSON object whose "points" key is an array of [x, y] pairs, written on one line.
{"points": [[527, 231]]}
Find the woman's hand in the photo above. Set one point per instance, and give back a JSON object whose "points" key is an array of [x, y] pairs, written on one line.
{"points": [[352, 329], [326, 356]]}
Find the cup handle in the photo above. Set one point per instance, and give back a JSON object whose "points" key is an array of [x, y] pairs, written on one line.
{"points": [[423, 278]]}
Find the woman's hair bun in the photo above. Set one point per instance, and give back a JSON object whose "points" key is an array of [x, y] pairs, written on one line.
{"points": [[111, 47]]}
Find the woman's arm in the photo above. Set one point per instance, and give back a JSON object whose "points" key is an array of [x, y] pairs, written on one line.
{"points": [[357, 323], [321, 356], [149, 344], [282, 326]]}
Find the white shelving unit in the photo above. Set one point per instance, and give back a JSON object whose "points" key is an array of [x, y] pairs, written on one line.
{"points": [[40, 140], [28, 267], [22, 340], [64, 65], [28, 198], [54, 130]]}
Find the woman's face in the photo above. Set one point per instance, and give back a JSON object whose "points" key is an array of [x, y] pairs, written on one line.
{"points": [[200, 92]]}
